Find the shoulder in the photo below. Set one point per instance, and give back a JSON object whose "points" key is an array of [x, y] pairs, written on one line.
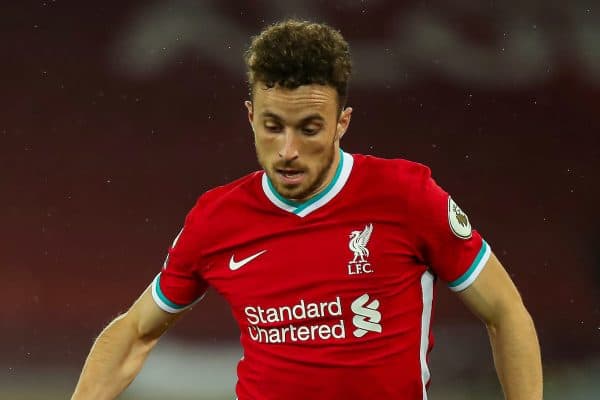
{"points": [[238, 190], [239, 186], [397, 171]]}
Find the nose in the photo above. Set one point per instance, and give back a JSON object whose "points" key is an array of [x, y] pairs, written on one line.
{"points": [[289, 149]]}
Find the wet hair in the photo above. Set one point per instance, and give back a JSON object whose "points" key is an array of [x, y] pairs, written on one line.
{"points": [[292, 53]]}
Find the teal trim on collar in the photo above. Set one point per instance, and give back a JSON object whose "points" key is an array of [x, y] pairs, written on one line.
{"points": [[302, 205], [280, 197]]}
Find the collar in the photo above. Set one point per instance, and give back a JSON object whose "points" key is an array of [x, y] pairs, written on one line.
{"points": [[302, 209]]}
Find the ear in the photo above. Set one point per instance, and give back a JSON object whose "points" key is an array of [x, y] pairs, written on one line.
{"points": [[250, 109], [343, 122]]}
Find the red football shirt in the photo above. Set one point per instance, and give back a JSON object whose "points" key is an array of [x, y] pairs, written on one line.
{"points": [[334, 296]]}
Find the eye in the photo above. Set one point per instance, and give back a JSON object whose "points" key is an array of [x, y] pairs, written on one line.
{"points": [[272, 127], [311, 130]]}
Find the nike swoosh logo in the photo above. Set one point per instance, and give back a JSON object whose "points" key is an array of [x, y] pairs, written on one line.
{"points": [[233, 265]]}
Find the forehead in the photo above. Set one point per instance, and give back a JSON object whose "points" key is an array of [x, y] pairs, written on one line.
{"points": [[303, 100]]}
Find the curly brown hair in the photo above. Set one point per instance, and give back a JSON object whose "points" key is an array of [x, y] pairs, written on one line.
{"points": [[292, 53]]}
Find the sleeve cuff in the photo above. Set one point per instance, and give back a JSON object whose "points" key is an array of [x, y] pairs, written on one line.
{"points": [[466, 279], [165, 304]]}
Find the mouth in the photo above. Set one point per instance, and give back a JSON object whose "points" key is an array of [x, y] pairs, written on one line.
{"points": [[290, 176]]}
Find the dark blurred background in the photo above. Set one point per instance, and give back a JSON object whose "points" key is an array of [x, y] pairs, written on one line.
{"points": [[116, 116]]}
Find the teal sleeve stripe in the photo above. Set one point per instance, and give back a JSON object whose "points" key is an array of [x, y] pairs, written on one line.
{"points": [[474, 266], [164, 299]]}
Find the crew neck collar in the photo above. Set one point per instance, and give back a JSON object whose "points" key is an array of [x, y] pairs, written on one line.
{"points": [[302, 209]]}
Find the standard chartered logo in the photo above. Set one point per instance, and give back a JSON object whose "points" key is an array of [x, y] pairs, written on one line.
{"points": [[309, 321], [303, 321], [366, 318]]}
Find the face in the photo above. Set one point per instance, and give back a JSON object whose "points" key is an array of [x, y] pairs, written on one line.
{"points": [[297, 136]]}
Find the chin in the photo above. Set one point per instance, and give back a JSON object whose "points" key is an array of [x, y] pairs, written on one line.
{"points": [[294, 193], [291, 193]]}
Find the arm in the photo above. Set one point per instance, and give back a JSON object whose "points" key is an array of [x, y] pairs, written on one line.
{"points": [[121, 349], [495, 300]]}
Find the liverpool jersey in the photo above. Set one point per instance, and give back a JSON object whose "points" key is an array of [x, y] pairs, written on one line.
{"points": [[333, 296]]}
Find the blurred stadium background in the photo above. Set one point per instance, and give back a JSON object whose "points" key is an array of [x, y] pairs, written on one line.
{"points": [[115, 116]]}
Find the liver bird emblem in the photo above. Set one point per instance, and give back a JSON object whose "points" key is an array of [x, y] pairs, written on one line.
{"points": [[358, 243]]}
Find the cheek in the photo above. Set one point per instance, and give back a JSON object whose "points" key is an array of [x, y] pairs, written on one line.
{"points": [[316, 146], [265, 144]]}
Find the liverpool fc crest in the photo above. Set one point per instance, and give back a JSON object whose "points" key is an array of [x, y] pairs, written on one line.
{"points": [[358, 245]]}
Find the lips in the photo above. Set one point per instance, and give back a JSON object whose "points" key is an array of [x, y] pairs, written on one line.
{"points": [[289, 172], [290, 176]]}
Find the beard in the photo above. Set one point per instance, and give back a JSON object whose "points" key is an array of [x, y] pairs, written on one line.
{"points": [[306, 189]]}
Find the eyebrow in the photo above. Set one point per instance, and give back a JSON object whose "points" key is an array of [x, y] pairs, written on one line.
{"points": [[315, 116]]}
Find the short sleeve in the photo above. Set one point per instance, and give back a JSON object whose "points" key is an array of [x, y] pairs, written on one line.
{"points": [[179, 285], [446, 242]]}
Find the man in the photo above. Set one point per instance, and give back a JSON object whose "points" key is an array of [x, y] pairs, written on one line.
{"points": [[327, 259]]}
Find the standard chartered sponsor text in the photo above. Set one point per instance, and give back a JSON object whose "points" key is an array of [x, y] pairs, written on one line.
{"points": [[300, 312]]}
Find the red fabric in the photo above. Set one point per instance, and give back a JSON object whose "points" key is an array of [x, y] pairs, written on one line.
{"points": [[294, 302]]}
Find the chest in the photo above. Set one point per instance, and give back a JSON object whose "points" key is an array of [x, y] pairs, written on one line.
{"points": [[314, 261]]}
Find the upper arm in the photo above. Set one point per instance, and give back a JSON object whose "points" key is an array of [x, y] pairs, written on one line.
{"points": [[446, 243], [176, 288], [492, 294], [149, 320], [443, 237]]}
